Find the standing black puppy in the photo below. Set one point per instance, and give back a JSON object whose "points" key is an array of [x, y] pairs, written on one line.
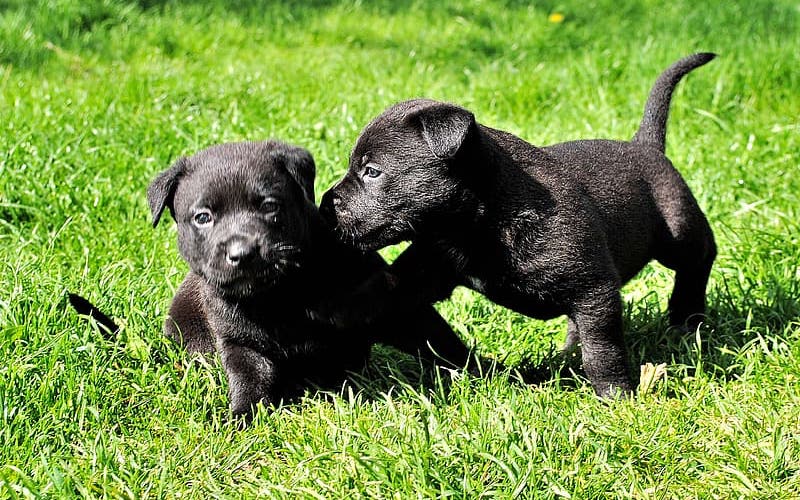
{"points": [[261, 261], [544, 231]]}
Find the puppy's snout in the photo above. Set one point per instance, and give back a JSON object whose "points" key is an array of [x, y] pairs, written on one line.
{"points": [[238, 251], [328, 206]]}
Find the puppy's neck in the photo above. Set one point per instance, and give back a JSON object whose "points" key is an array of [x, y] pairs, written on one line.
{"points": [[497, 167]]}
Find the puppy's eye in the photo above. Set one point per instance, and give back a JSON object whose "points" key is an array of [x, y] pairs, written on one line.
{"points": [[371, 172], [203, 218]]}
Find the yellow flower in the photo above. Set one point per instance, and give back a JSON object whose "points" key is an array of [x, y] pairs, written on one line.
{"points": [[556, 17]]}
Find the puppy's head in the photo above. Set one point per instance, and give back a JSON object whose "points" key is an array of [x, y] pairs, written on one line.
{"points": [[403, 174], [242, 211]]}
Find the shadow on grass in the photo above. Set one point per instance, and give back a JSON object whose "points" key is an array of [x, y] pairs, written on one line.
{"points": [[79, 28], [253, 10], [737, 317]]}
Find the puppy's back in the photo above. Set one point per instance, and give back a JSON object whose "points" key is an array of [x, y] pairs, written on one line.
{"points": [[635, 189]]}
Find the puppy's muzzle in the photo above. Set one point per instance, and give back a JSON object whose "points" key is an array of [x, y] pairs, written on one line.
{"points": [[239, 251], [329, 206]]}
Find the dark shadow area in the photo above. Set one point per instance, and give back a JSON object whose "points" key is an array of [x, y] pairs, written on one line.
{"points": [[734, 319], [74, 31], [250, 10], [730, 326], [391, 371]]}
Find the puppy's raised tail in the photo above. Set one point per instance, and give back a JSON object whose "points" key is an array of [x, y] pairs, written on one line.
{"points": [[653, 129], [86, 308]]}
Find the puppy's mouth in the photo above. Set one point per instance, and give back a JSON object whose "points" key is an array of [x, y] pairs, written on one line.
{"points": [[374, 238], [241, 284], [252, 279]]}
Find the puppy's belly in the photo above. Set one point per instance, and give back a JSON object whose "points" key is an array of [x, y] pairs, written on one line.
{"points": [[524, 302]]}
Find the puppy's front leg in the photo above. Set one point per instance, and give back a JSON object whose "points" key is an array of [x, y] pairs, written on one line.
{"points": [[251, 378], [597, 319], [418, 277], [422, 275], [423, 332], [187, 323]]}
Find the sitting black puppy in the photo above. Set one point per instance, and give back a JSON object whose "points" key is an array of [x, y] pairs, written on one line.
{"points": [[261, 260], [544, 231]]}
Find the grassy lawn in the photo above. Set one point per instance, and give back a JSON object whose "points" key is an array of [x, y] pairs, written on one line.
{"points": [[97, 96]]}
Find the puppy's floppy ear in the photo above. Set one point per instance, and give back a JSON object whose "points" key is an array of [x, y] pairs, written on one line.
{"points": [[445, 127], [161, 192], [301, 167]]}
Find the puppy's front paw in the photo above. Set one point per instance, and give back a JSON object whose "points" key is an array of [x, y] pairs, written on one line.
{"points": [[330, 314], [363, 306]]}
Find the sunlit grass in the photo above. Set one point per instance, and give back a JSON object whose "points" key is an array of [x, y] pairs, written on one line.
{"points": [[97, 97]]}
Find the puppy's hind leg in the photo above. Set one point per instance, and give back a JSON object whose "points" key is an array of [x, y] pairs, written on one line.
{"points": [[685, 244], [687, 304], [690, 253]]}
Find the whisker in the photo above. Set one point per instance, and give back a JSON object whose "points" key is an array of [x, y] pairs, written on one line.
{"points": [[287, 262]]}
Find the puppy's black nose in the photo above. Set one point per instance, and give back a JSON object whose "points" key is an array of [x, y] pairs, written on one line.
{"points": [[327, 207], [239, 251]]}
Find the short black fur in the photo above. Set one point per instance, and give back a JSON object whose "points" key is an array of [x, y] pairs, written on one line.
{"points": [[261, 260], [545, 231]]}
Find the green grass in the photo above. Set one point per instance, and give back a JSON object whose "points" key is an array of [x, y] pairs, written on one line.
{"points": [[98, 96]]}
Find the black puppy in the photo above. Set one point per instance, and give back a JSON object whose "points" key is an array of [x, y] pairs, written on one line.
{"points": [[261, 260], [544, 231]]}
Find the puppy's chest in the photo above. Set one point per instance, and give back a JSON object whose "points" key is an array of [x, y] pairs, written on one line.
{"points": [[295, 334], [282, 329]]}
